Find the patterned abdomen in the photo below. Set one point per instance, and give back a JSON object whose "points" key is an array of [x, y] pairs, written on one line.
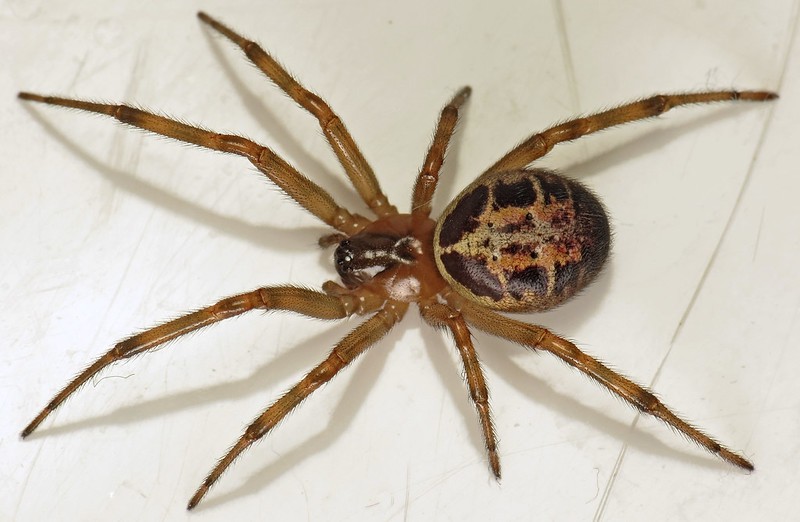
{"points": [[522, 241]]}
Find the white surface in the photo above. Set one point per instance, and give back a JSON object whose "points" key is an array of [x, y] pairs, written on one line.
{"points": [[105, 230]]}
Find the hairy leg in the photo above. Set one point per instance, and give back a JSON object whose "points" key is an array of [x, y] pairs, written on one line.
{"points": [[300, 300], [540, 144], [301, 189], [641, 398], [439, 315], [428, 177], [343, 145], [353, 345]]}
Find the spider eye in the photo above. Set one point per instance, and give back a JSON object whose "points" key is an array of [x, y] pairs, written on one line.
{"points": [[343, 257]]}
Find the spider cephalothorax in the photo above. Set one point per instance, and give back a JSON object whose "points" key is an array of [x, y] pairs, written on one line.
{"points": [[362, 256], [514, 240]]}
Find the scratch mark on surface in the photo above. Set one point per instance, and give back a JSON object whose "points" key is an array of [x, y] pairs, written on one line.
{"points": [[712, 258], [407, 500], [758, 235], [566, 55], [432, 485], [123, 278], [596, 485], [779, 364], [612, 480], [439, 425], [78, 73], [742, 189], [118, 144], [96, 381], [26, 482], [118, 160]]}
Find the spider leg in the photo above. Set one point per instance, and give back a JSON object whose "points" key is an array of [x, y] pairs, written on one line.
{"points": [[641, 398], [353, 345], [301, 189], [343, 145], [439, 315], [300, 300], [428, 177], [540, 144]]}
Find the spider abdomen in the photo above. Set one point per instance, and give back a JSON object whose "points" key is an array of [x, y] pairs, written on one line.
{"points": [[525, 240]]}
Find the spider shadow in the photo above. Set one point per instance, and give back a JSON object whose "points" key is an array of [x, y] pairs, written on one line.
{"points": [[538, 390], [305, 162], [640, 145], [258, 235], [644, 143], [364, 378], [650, 141], [303, 356], [450, 371], [449, 368], [365, 374]]}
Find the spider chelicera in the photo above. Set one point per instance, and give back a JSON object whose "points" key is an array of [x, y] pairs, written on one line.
{"points": [[515, 240]]}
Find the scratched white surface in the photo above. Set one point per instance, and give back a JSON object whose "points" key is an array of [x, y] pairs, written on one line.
{"points": [[105, 230]]}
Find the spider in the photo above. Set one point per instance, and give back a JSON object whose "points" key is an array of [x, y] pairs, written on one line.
{"points": [[518, 239]]}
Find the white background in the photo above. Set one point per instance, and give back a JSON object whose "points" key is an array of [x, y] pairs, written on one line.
{"points": [[105, 230]]}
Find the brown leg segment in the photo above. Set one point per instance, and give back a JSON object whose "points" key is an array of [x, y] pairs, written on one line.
{"points": [[428, 177], [639, 397], [540, 144], [354, 163], [301, 189], [353, 345], [300, 300], [439, 315]]}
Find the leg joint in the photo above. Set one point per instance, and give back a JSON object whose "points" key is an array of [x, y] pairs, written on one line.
{"points": [[648, 403], [659, 104], [319, 108]]}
